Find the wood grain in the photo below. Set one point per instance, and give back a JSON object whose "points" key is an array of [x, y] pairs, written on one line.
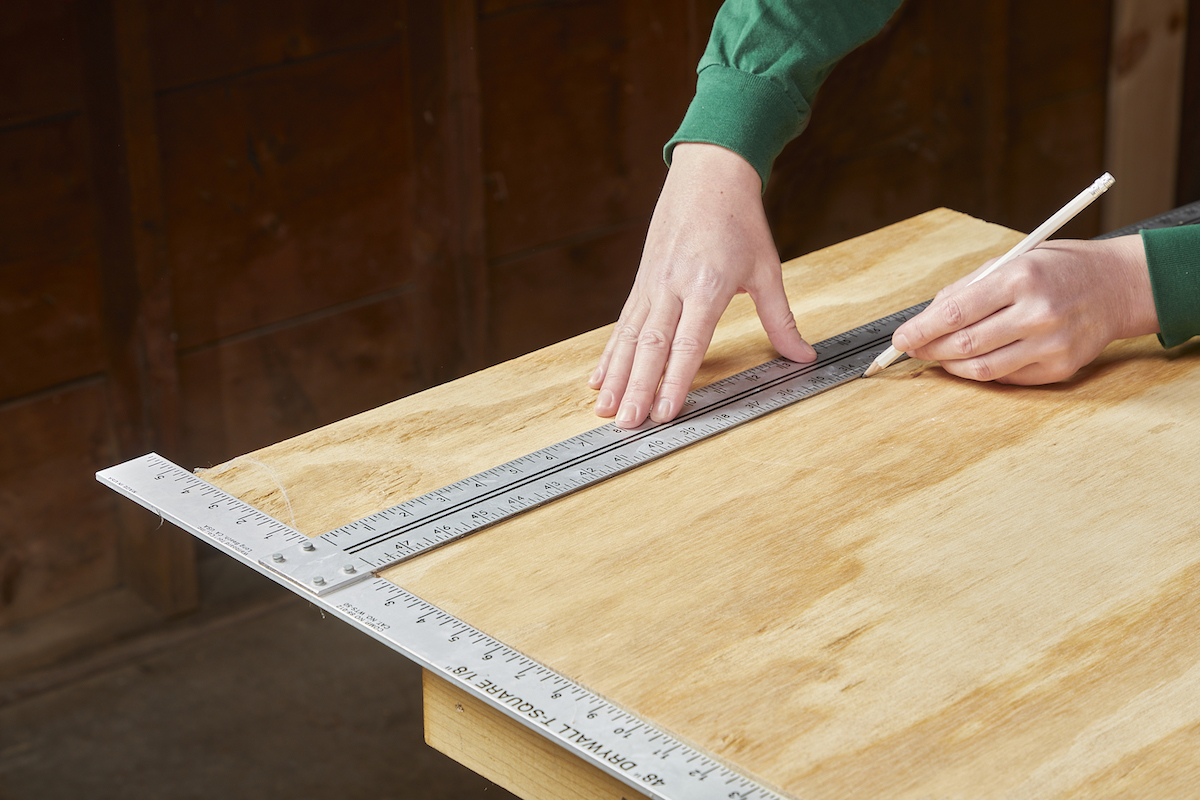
{"points": [[911, 586], [622, 82], [1004, 125], [507, 753], [45, 34], [286, 192], [135, 279], [59, 531], [1144, 108], [198, 42], [49, 295], [1188, 187]]}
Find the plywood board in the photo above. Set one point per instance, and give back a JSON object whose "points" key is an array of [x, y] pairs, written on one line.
{"points": [[911, 586], [506, 752]]}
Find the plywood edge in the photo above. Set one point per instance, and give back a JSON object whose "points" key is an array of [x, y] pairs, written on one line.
{"points": [[506, 752]]}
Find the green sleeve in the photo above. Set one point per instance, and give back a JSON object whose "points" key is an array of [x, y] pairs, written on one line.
{"points": [[763, 65], [1173, 256]]}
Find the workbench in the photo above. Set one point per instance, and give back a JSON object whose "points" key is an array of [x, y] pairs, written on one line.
{"points": [[908, 586]]}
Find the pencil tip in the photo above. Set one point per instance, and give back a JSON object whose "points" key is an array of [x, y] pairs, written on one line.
{"points": [[871, 370]]}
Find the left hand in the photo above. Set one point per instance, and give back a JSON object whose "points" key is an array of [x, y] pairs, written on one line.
{"points": [[1039, 318]]}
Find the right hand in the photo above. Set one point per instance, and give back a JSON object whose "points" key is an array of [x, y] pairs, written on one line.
{"points": [[708, 240], [1041, 317]]}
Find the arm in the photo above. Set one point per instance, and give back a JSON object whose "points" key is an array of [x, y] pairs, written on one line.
{"points": [[708, 238], [1045, 315]]}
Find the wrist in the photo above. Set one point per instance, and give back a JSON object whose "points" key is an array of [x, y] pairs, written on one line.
{"points": [[1139, 317], [718, 166]]}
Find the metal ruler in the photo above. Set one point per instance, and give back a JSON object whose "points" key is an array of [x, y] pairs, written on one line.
{"points": [[347, 554], [336, 571]]}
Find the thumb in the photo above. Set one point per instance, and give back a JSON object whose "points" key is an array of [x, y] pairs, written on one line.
{"points": [[780, 324]]}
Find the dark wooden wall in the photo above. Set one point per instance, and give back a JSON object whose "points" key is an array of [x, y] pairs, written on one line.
{"points": [[993, 108], [222, 224], [1187, 188]]}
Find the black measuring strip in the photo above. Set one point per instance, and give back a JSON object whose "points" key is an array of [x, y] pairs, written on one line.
{"points": [[1184, 215]]}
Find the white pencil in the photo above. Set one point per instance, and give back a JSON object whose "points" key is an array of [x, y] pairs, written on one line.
{"points": [[1043, 232]]}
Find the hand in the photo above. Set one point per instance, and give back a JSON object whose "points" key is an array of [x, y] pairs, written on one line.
{"points": [[1039, 318], [708, 240]]}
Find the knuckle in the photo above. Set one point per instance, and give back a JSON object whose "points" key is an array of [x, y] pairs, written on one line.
{"points": [[1023, 272], [686, 346], [705, 284], [979, 370], [785, 321], [652, 339], [1059, 373], [639, 386], [1047, 317], [952, 312], [963, 343], [1062, 363], [626, 335], [673, 383]]}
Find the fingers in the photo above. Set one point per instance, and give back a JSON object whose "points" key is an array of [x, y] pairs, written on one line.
{"points": [[1026, 362], [646, 361], [616, 362], [1000, 364], [977, 333], [775, 313], [977, 336], [647, 371], [691, 341], [708, 238], [1036, 321], [949, 313], [651, 369]]}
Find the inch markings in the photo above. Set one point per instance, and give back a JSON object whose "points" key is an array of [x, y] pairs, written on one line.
{"points": [[345, 555], [585, 724], [336, 570]]}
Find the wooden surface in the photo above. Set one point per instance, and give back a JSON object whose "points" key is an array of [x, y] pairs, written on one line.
{"points": [[222, 225], [507, 753], [910, 586]]}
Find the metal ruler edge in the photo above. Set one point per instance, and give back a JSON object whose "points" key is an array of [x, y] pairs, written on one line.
{"points": [[354, 551], [600, 732], [207, 512]]}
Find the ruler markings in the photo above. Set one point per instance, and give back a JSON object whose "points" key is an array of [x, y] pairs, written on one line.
{"points": [[634, 751], [635, 436], [447, 514]]}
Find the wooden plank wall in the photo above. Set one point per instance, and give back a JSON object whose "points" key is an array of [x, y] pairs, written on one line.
{"points": [[1148, 54], [1187, 189], [993, 108], [223, 224]]}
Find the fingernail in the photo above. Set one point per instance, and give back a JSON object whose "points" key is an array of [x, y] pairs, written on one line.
{"points": [[662, 410], [604, 402], [597, 378], [900, 342], [629, 414]]}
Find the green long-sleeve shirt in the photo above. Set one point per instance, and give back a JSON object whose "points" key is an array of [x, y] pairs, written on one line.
{"points": [[1173, 255], [762, 68]]}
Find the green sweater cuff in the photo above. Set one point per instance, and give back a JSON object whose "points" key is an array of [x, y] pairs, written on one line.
{"points": [[1173, 257], [749, 114]]}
